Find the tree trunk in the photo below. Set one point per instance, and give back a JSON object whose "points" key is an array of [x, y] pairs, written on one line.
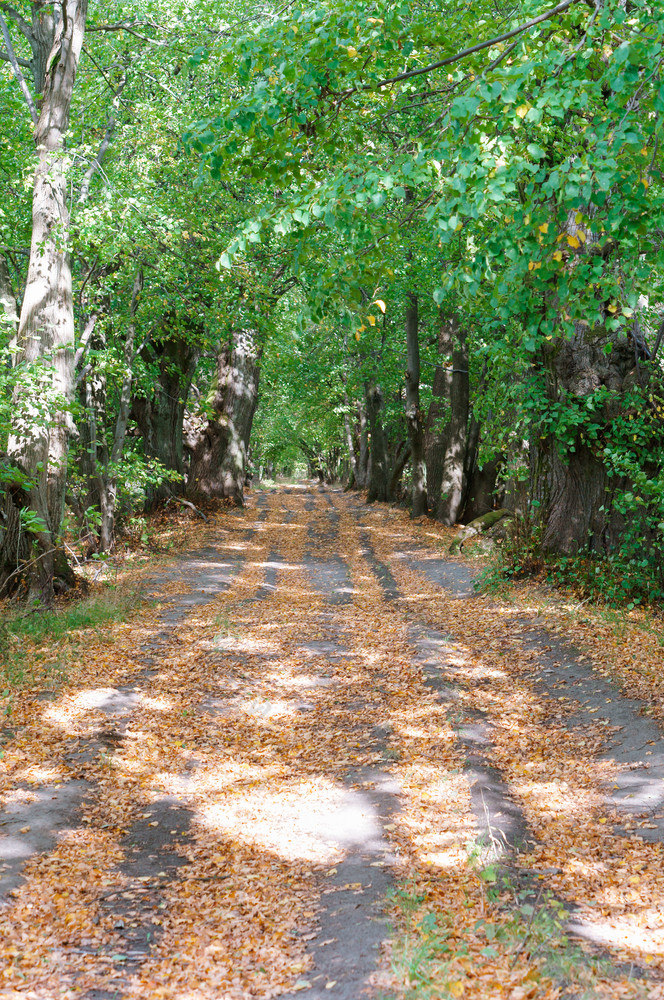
{"points": [[219, 454], [362, 474], [574, 486], [378, 488], [437, 422], [160, 416], [401, 457], [350, 443], [451, 493], [41, 427], [414, 419]]}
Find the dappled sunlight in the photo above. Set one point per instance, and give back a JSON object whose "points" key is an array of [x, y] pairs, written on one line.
{"points": [[276, 744], [315, 821]]}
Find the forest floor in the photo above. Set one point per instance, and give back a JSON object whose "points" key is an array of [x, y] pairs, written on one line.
{"points": [[312, 762]]}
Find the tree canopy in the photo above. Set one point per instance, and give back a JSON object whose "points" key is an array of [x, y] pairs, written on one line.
{"points": [[421, 242]]}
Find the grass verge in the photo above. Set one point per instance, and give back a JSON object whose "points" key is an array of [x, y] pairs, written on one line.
{"points": [[36, 646]]}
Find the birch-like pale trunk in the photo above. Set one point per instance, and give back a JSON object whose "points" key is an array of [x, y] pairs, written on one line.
{"points": [[39, 440], [452, 485]]}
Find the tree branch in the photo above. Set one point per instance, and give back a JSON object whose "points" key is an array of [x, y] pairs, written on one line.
{"points": [[25, 63], [20, 23], [101, 152], [474, 48], [20, 79]]}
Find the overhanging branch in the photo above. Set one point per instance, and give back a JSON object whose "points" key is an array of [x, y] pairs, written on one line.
{"points": [[20, 79], [474, 48]]}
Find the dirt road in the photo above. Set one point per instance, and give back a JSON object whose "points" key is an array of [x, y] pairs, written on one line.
{"points": [[323, 767]]}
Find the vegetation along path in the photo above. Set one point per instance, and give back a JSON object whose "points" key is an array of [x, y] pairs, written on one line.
{"points": [[321, 766]]}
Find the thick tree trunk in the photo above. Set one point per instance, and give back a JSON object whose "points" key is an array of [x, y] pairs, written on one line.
{"points": [[451, 492], [379, 486], [160, 415], [414, 419], [219, 454], [39, 441], [574, 487]]}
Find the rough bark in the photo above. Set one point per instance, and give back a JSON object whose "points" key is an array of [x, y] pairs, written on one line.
{"points": [[39, 440], [414, 419], [451, 493], [574, 488], [160, 415], [379, 485], [219, 452]]}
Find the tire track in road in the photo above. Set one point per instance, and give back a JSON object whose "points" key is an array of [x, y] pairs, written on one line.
{"points": [[622, 740]]}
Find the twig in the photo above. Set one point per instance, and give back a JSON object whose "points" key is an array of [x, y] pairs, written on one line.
{"points": [[187, 503]]}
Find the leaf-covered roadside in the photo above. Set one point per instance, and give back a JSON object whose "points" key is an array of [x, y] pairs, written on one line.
{"points": [[253, 724]]}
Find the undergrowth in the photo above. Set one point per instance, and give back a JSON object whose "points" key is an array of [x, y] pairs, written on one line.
{"points": [[38, 643], [620, 579], [438, 952]]}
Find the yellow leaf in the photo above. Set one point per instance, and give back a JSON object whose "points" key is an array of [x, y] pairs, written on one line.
{"points": [[534, 265], [612, 308], [558, 255], [352, 51], [357, 336], [381, 305], [457, 989], [544, 228], [372, 320], [578, 217], [522, 110], [645, 182], [573, 242]]}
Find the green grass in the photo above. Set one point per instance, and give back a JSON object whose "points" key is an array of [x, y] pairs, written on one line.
{"points": [[23, 634], [433, 946]]}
